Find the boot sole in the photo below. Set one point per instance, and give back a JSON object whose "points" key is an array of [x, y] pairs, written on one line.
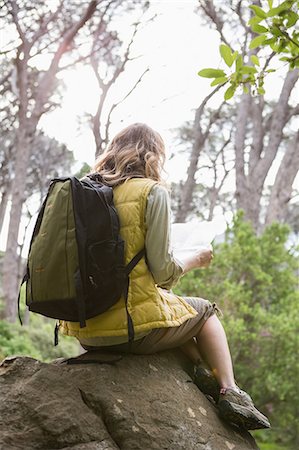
{"points": [[242, 416]]}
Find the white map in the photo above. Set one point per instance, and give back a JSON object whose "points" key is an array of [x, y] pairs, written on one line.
{"points": [[188, 238]]}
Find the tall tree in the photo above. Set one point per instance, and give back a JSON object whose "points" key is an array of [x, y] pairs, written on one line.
{"points": [[41, 29], [260, 126]]}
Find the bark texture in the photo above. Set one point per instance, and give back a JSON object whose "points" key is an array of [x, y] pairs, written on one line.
{"points": [[281, 192]]}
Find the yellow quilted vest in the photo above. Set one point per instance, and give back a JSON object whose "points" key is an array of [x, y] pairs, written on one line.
{"points": [[149, 306]]}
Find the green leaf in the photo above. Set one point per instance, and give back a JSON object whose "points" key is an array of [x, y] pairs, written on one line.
{"points": [[221, 80], [292, 19], [270, 3], [261, 90], [292, 65], [248, 69], [259, 28], [229, 93], [255, 60], [276, 31], [282, 46], [270, 41], [258, 11], [254, 20], [239, 62], [226, 53], [211, 73], [245, 90], [235, 55], [257, 41], [285, 6]]}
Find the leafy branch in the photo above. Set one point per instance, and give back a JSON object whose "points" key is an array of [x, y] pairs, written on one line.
{"points": [[272, 27]]}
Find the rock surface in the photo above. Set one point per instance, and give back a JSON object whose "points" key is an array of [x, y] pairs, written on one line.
{"points": [[139, 402]]}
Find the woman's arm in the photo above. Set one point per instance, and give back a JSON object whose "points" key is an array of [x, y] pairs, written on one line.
{"points": [[165, 268]]}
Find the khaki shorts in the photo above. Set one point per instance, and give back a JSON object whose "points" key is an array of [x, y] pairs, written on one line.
{"points": [[166, 338]]}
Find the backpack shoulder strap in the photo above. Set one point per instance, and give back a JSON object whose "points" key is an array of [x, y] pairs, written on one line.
{"points": [[128, 269], [105, 193]]}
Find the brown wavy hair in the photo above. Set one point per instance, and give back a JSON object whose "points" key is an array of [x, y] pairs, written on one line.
{"points": [[136, 151]]}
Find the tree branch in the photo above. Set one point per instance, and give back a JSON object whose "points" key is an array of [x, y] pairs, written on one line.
{"points": [[238, 11], [105, 87], [49, 76], [43, 28], [292, 112], [121, 68], [5, 78], [209, 9], [108, 123], [14, 13], [199, 140], [213, 118]]}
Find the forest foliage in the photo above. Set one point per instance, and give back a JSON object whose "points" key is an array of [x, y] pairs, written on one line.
{"points": [[254, 281]]}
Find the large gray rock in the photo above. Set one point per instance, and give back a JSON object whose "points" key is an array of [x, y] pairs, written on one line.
{"points": [[139, 402]]}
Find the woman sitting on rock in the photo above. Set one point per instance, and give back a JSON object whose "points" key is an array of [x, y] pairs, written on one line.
{"points": [[132, 165]]}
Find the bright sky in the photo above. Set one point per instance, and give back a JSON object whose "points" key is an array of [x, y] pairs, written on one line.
{"points": [[174, 47]]}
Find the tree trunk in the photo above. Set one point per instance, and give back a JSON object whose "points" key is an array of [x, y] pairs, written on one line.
{"points": [[282, 189], [10, 260], [188, 188], [279, 120], [248, 198], [3, 207], [213, 196], [250, 183]]}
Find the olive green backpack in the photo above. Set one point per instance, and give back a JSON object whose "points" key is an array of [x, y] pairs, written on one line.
{"points": [[75, 268]]}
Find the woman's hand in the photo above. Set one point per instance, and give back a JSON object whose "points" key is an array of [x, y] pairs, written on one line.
{"points": [[202, 258]]}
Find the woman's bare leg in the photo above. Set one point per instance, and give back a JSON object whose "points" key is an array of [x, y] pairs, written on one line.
{"points": [[211, 344], [213, 347], [190, 348]]}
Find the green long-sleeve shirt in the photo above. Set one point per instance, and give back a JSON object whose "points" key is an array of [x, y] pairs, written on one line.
{"points": [[165, 269]]}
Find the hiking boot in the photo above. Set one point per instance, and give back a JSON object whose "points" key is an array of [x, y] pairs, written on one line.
{"points": [[206, 382], [237, 407]]}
